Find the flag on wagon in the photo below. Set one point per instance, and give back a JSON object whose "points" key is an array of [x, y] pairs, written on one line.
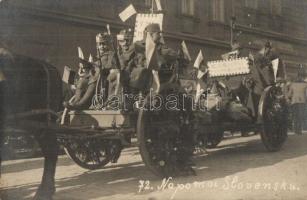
{"points": [[127, 13], [80, 53], [199, 59], [185, 51], [275, 64], [158, 4], [68, 75]]}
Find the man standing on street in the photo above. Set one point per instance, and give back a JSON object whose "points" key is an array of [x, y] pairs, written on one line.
{"points": [[297, 97]]}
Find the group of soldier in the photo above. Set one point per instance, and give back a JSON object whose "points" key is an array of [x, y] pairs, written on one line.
{"points": [[124, 68], [121, 68]]}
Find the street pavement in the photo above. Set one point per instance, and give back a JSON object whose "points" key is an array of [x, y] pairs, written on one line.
{"points": [[240, 168]]}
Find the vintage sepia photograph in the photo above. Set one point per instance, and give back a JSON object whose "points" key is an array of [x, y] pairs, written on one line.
{"points": [[153, 99]]}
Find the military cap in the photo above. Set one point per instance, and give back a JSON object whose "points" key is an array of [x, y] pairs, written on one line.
{"points": [[152, 28], [102, 37]]}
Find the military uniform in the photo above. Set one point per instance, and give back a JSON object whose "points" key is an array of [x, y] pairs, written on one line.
{"points": [[106, 65]]}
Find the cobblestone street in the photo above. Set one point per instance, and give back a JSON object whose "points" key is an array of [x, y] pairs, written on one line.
{"points": [[240, 168]]}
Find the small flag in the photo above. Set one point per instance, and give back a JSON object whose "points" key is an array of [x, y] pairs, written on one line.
{"points": [[199, 59], [275, 64], [108, 29], [80, 53], [200, 74], [2, 77], [149, 49], [90, 58], [185, 51], [127, 13], [68, 75], [158, 4]]}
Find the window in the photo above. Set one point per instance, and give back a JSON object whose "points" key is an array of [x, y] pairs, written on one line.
{"points": [[251, 4], [276, 7], [218, 10], [188, 7]]}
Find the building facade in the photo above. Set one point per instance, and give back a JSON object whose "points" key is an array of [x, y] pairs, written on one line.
{"points": [[52, 30]]}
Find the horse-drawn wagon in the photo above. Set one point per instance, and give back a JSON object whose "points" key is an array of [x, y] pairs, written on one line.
{"points": [[168, 125]]}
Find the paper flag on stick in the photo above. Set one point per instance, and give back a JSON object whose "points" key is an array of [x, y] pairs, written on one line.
{"points": [[108, 29], [158, 3], [90, 58], [275, 64], [199, 59], [2, 77], [200, 74], [127, 13], [80, 53], [185, 51], [149, 49], [68, 75]]}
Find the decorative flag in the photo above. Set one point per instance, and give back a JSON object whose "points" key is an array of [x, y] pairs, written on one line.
{"points": [[185, 51], [90, 58], [199, 59], [68, 75], [127, 13], [80, 53], [158, 4], [108, 29], [200, 74], [2, 77], [149, 49], [275, 64]]}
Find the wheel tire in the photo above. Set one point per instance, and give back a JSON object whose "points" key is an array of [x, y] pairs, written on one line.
{"points": [[274, 119], [88, 149], [163, 149]]}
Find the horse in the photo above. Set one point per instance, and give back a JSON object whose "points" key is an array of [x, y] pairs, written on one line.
{"points": [[30, 95]]}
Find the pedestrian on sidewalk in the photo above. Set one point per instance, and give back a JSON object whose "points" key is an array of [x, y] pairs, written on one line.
{"points": [[297, 97]]}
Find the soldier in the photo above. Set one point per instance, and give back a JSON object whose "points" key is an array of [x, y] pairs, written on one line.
{"points": [[106, 63], [262, 76], [85, 87], [297, 96], [163, 55], [126, 54]]}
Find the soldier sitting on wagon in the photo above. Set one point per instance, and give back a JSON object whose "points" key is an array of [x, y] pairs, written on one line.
{"points": [[85, 87], [126, 54], [105, 62], [164, 57]]}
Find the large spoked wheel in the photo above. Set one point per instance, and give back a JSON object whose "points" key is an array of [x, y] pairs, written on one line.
{"points": [[165, 142], [274, 113], [88, 153]]}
